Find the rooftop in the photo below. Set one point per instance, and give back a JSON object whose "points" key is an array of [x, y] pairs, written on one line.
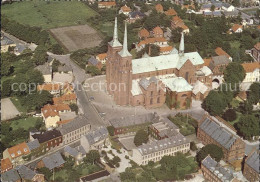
{"points": [[97, 135], [53, 161], [10, 176], [33, 144], [95, 176], [25, 172], [6, 164], [250, 67], [45, 69], [47, 135], [253, 160], [6, 41], [19, 150]]}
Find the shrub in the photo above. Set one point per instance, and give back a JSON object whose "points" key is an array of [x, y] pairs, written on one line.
{"points": [[193, 146], [230, 115]]}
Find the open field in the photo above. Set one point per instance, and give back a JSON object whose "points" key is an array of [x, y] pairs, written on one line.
{"points": [[48, 15], [25, 123], [77, 37]]}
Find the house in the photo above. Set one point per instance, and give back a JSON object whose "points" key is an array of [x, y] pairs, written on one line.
{"points": [[236, 28], [207, 7], [26, 174], [95, 140], [11, 175], [106, 4], [134, 16], [16, 153], [159, 41], [210, 131], [171, 12], [130, 124], [227, 7], [52, 161], [159, 8], [251, 166], [213, 171], [220, 52], [50, 116], [252, 72], [143, 34], [256, 52], [212, 14], [155, 150], [157, 32], [6, 165], [6, 43], [77, 153], [188, 7], [65, 99], [165, 50], [46, 71], [53, 88], [94, 62], [207, 61], [200, 91], [19, 49], [73, 130], [48, 140], [178, 22], [98, 176], [102, 58], [125, 10], [218, 64], [247, 21], [34, 147], [67, 89], [63, 75]]}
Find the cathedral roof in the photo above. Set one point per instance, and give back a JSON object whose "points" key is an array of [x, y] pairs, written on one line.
{"points": [[162, 62], [177, 84]]}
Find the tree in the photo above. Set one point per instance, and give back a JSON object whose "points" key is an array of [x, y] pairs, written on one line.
{"points": [[74, 107], [57, 49], [230, 115], [92, 156], [93, 70], [40, 55], [212, 8], [234, 74], [6, 88], [214, 103], [55, 65], [248, 126], [47, 173], [211, 149], [127, 175], [236, 3], [140, 137], [111, 130], [193, 146], [253, 95]]}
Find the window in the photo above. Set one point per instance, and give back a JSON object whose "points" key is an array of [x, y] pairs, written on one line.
{"points": [[25, 149], [151, 93], [19, 152], [151, 101], [158, 100], [12, 155]]}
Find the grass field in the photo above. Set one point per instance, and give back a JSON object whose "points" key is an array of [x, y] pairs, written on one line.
{"points": [[25, 123], [52, 15], [18, 105]]}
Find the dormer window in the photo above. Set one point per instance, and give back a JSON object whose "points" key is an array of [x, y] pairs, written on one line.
{"points": [[12, 155], [25, 149], [19, 152]]}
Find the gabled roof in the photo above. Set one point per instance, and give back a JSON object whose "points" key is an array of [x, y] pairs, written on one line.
{"points": [[146, 82], [65, 97], [250, 67], [144, 33], [33, 144], [53, 161], [157, 30], [159, 8], [170, 12], [25, 172], [6, 164], [218, 60], [93, 61], [177, 84], [199, 87], [109, 3], [125, 8], [207, 61], [6, 41], [10, 176], [102, 56], [235, 27], [166, 49], [151, 40], [45, 69], [220, 52], [49, 111], [253, 161], [19, 150], [97, 135]]}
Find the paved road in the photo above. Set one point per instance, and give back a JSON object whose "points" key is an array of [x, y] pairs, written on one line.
{"points": [[85, 105]]}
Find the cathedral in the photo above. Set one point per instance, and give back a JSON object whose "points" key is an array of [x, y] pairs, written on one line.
{"points": [[153, 81]]}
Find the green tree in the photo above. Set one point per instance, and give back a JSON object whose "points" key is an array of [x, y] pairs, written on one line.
{"points": [[248, 126], [56, 49], [212, 8], [211, 149], [111, 130], [230, 115], [92, 156], [93, 70], [6, 88], [47, 173], [40, 55], [74, 107], [193, 146], [141, 137], [254, 93], [55, 65], [127, 175], [214, 103]]}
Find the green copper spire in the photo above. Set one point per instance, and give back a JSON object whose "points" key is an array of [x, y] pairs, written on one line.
{"points": [[115, 42], [124, 52]]}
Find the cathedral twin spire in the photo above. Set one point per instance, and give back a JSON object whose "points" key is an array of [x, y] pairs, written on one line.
{"points": [[115, 43]]}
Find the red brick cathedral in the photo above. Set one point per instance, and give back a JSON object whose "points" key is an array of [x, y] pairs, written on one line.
{"points": [[152, 81]]}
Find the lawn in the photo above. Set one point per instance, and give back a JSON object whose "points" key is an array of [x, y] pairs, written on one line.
{"points": [[48, 15], [18, 105], [235, 44], [25, 123]]}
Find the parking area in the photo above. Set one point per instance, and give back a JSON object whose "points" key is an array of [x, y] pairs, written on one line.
{"points": [[8, 109]]}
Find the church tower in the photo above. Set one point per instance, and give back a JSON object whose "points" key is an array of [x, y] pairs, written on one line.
{"points": [[113, 48], [124, 74]]}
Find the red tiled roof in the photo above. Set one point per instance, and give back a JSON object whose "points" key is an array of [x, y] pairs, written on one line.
{"points": [[176, 19], [207, 62], [19, 150], [6, 165], [184, 27], [143, 33], [250, 67], [159, 8], [166, 48], [102, 56], [189, 6], [171, 12], [125, 8], [110, 3], [65, 97], [220, 52], [157, 30], [236, 27], [49, 87], [152, 40], [49, 111]]}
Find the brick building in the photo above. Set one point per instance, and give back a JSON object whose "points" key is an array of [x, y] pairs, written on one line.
{"points": [[256, 52], [251, 167], [48, 140], [211, 132], [147, 81]]}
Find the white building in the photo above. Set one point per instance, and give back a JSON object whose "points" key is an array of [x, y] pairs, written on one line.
{"points": [[156, 150], [252, 72]]}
